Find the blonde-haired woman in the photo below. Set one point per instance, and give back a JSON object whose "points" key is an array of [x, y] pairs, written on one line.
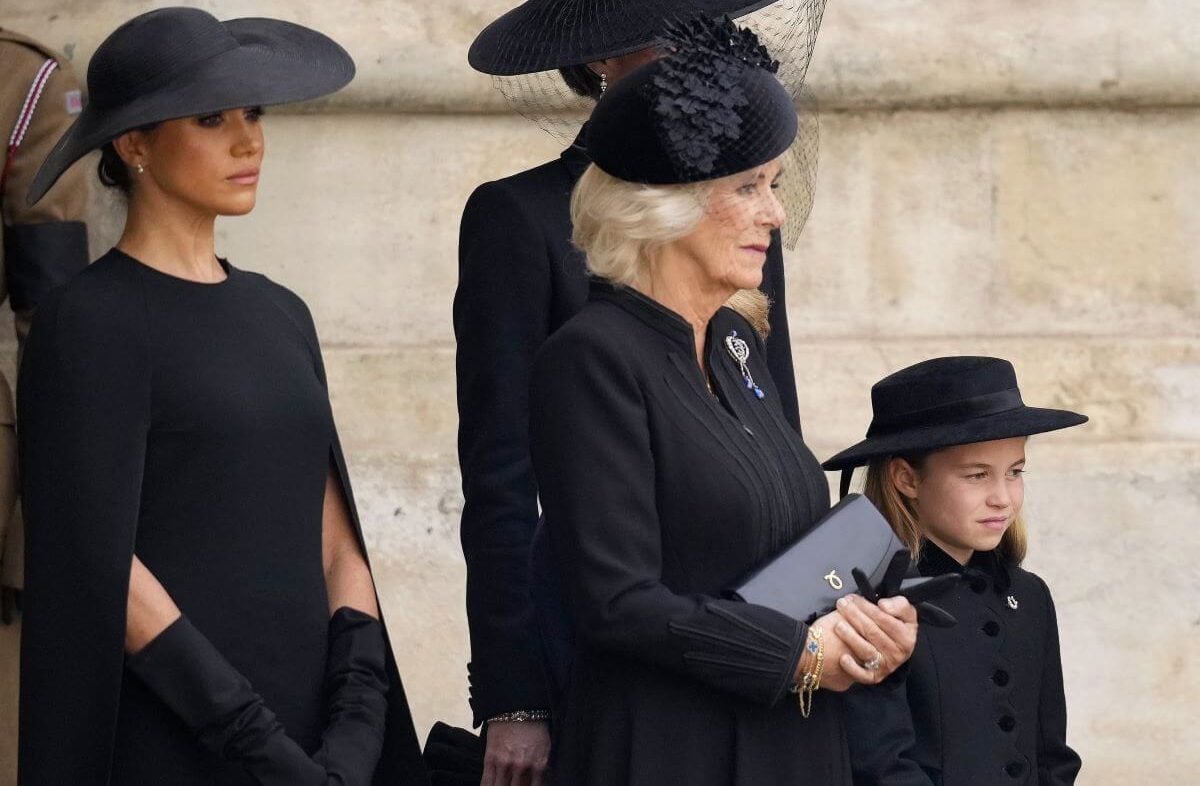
{"points": [[983, 701], [665, 463]]}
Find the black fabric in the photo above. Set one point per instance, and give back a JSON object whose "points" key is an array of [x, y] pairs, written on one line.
{"points": [[454, 756], [543, 35], [39, 257], [697, 113], [181, 667], [657, 496], [356, 685], [983, 702], [520, 279], [948, 401], [193, 422], [179, 62]]}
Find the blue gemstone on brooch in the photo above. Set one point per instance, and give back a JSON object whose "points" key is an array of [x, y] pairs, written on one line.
{"points": [[739, 350]]}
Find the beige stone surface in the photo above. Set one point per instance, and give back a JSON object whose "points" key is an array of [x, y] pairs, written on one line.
{"points": [[1007, 178], [412, 54]]}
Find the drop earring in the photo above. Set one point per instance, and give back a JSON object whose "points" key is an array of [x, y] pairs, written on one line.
{"points": [[603, 83], [140, 169]]}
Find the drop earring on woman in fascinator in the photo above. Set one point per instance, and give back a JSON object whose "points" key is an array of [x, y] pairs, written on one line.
{"points": [[603, 83], [739, 350]]}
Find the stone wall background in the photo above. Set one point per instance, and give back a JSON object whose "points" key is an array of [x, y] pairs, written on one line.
{"points": [[1010, 178]]}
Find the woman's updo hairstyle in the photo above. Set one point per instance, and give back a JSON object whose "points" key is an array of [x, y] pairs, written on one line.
{"points": [[582, 81], [112, 169]]}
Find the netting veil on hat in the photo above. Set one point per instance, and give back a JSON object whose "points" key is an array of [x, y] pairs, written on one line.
{"points": [[710, 107], [524, 48]]}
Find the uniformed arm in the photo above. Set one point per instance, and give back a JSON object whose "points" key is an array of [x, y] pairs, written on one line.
{"points": [[595, 470], [45, 243], [1058, 764], [779, 343], [501, 317], [881, 736]]}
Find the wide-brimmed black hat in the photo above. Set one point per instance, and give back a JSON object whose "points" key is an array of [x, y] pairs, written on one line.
{"points": [[948, 401], [710, 107], [179, 62], [542, 35]]}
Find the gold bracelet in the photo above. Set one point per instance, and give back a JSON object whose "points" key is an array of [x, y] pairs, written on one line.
{"points": [[810, 681]]}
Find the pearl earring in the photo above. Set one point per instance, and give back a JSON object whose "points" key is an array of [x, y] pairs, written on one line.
{"points": [[141, 169]]}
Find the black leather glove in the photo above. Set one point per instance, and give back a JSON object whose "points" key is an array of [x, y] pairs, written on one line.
{"points": [[356, 683], [214, 700], [919, 591]]}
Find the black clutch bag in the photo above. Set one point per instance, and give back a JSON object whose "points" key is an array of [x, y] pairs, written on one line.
{"points": [[851, 547]]}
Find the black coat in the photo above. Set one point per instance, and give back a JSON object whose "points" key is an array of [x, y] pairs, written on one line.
{"points": [[520, 279], [983, 703], [659, 495], [188, 424]]}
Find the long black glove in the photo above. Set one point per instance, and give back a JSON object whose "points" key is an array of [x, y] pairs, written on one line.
{"points": [[357, 684], [214, 700]]}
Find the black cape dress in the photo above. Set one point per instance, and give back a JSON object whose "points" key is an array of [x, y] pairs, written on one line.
{"points": [[188, 424], [658, 496]]}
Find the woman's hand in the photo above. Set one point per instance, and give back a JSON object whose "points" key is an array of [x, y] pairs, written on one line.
{"points": [[881, 635], [517, 753], [857, 632]]}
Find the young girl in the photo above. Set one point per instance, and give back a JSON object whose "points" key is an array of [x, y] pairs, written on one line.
{"points": [[983, 701]]}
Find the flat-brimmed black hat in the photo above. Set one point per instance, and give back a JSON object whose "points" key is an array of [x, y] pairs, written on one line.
{"points": [[180, 62], [948, 401], [542, 35]]}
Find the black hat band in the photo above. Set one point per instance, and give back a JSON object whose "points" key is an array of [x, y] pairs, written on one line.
{"points": [[965, 409]]}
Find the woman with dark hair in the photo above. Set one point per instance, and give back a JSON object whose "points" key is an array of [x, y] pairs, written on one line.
{"points": [[520, 279], [199, 608], [983, 701], [665, 463]]}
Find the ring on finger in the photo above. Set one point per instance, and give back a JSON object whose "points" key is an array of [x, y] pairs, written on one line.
{"points": [[875, 662]]}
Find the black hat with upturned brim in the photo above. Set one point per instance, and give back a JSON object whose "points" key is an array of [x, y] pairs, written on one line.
{"points": [[180, 62], [542, 35], [948, 401]]}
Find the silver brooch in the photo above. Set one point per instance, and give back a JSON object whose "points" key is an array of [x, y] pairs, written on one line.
{"points": [[1012, 602], [739, 350]]}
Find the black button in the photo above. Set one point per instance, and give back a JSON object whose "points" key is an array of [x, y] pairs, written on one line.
{"points": [[1014, 769], [1000, 677], [978, 585], [991, 628], [1007, 722]]}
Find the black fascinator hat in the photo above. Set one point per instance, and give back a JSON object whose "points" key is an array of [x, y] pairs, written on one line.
{"points": [[948, 401], [710, 107], [179, 62]]}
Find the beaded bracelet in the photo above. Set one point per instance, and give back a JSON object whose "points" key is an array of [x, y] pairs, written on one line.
{"points": [[521, 716], [811, 680]]}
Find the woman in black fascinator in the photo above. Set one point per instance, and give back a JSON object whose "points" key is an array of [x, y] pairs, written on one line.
{"points": [[519, 280], [666, 465], [199, 608]]}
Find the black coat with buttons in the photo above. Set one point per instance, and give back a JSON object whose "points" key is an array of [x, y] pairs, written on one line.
{"points": [[983, 702], [519, 280], [658, 496]]}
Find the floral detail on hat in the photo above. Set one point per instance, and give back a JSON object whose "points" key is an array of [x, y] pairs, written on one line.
{"points": [[699, 91]]}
